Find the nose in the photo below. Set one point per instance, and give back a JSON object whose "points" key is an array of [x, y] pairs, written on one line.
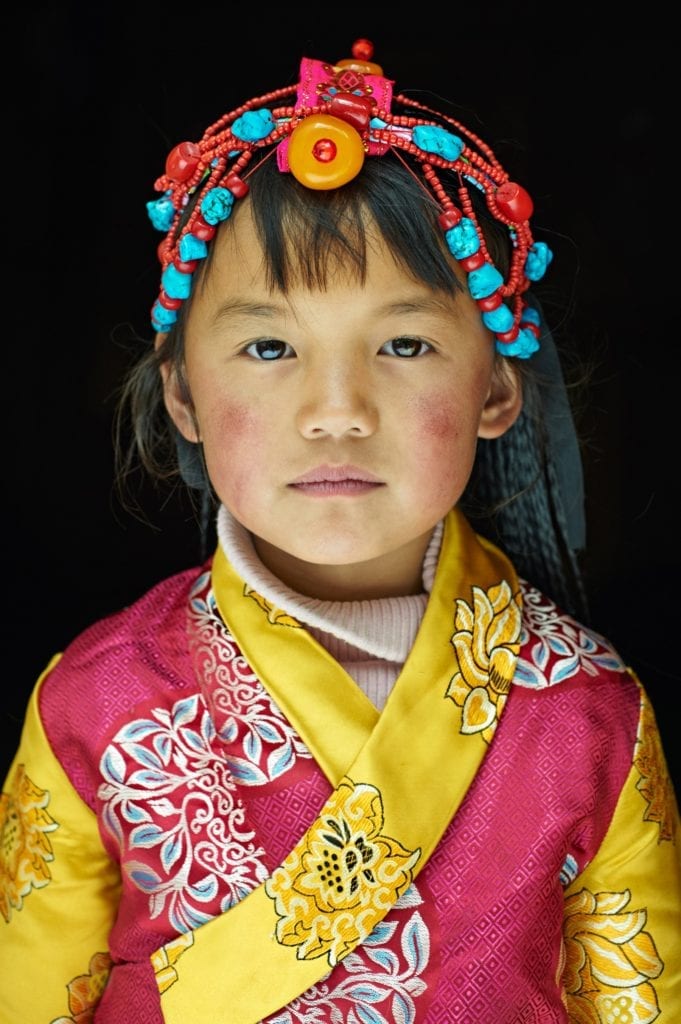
{"points": [[337, 403]]}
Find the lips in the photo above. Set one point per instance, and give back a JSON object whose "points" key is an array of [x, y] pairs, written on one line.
{"points": [[335, 475], [336, 481]]}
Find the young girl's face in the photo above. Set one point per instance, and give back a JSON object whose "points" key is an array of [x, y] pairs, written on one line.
{"points": [[338, 425]]}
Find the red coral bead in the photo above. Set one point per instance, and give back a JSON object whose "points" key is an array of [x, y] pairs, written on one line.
{"points": [[363, 49], [186, 266], [167, 302], [356, 110], [490, 302], [450, 218], [509, 335], [473, 262], [202, 230], [182, 161], [324, 150], [236, 185], [514, 202]]}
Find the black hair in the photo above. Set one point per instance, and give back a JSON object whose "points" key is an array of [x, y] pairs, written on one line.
{"points": [[512, 497]]}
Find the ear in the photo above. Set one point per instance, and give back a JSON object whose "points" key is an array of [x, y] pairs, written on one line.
{"points": [[504, 401], [176, 398]]}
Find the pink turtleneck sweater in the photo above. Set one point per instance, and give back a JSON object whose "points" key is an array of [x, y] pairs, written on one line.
{"points": [[370, 639]]}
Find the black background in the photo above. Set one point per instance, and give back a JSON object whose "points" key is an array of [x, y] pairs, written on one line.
{"points": [[98, 96]]}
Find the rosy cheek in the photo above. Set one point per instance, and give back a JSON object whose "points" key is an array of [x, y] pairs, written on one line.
{"points": [[233, 438], [235, 421], [435, 419], [446, 448]]}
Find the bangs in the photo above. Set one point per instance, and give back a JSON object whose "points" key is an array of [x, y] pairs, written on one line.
{"points": [[309, 236]]}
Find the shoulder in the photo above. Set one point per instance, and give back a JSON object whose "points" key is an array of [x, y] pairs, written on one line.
{"points": [[156, 613], [555, 647], [147, 640], [118, 668]]}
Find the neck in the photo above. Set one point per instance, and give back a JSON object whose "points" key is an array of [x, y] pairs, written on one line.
{"points": [[385, 576]]}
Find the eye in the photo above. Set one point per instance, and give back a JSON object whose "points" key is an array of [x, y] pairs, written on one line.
{"points": [[269, 349], [405, 347]]}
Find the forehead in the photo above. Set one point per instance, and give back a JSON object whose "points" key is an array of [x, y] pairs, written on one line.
{"points": [[237, 293], [318, 255]]}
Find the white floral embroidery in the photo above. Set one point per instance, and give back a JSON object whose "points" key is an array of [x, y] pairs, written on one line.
{"points": [[171, 805], [557, 644], [378, 983], [244, 714]]}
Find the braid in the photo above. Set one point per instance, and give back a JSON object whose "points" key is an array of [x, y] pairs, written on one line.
{"points": [[513, 499]]}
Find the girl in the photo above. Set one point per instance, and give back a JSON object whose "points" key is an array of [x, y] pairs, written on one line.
{"points": [[364, 764]]}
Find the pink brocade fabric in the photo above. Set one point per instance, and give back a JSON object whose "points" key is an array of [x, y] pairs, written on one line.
{"points": [[162, 688]]}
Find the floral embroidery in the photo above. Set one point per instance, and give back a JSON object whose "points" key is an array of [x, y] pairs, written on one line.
{"points": [[26, 848], [340, 880], [655, 785], [379, 983], [610, 960], [85, 991], [275, 616], [558, 645], [170, 800], [165, 958], [259, 744], [486, 646]]}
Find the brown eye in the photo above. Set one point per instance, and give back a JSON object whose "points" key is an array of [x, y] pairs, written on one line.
{"points": [[405, 347], [269, 349]]}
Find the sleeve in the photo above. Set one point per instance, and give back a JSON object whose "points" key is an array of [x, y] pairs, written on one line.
{"points": [[622, 923], [58, 888]]}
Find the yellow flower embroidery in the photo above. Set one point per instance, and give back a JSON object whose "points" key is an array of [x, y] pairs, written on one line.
{"points": [[86, 990], [25, 848], [609, 960], [486, 643], [335, 887], [275, 616], [165, 958], [655, 785]]}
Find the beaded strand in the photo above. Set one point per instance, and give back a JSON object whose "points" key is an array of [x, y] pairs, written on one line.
{"points": [[340, 130]]}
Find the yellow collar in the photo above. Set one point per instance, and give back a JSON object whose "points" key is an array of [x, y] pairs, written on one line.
{"points": [[398, 777]]}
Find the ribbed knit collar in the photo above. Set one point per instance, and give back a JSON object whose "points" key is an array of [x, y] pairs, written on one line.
{"points": [[381, 627]]}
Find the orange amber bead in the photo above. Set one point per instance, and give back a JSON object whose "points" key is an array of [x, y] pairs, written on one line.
{"points": [[365, 67], [324, 152]]}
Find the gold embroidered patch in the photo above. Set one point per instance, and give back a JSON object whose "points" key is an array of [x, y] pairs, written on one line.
{"points": [[337, 884], [609, 959], [164, 959], [275, 616], [24, 846], [655, 785], [85, 991], [486, 643]]}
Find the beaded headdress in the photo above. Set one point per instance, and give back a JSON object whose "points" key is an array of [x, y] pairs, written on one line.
{"points": [[343, 113]]}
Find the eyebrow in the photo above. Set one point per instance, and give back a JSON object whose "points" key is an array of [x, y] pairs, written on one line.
{"points": [[243, 308], [430, 303]]}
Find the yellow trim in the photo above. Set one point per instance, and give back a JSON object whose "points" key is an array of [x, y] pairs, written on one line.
{"points": [[71, 911], [387, 795]]}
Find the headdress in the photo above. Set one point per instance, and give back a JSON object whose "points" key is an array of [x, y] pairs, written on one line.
{"points": [[343, 113]]}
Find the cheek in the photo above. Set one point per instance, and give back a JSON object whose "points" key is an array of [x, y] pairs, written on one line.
{"points": [[233, 438], [437, 422], [445, 437]]}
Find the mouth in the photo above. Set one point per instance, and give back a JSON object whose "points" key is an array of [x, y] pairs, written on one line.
{"points": [[336, 480]]}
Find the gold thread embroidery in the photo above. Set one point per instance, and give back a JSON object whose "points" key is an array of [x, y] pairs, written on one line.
{"points": [[275, 616], [609, 960], [85, 991], [655, 785], [486, 644], [24, 848], [336, 885], [164, 959]]}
